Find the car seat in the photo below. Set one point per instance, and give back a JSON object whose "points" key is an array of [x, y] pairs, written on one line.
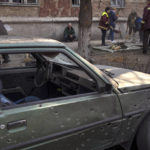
{"points": [[4, 100]]}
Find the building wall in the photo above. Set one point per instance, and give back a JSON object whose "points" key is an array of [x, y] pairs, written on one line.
{"points": [[137, 5], [57, 8], [48, 27], [63, 8], [18, 11]]}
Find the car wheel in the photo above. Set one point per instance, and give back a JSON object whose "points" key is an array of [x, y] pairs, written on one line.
{"points": [[143, 135]]}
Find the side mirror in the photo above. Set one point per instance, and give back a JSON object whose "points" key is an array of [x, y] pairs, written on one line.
{"points": [[109, 88]]}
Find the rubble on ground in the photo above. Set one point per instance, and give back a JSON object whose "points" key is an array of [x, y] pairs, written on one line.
{"points": [[118, 45]]}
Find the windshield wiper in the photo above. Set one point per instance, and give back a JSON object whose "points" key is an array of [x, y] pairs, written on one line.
{"points": [[110, 74]]}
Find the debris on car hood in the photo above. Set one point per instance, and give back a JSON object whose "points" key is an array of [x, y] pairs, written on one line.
{"points": [[128, 80]]}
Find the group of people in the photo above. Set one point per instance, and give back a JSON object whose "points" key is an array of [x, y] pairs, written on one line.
{"points": [[134, 24], [108, 21]]}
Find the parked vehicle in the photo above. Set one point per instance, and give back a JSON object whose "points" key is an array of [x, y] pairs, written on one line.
{"points": [[52, 98]]}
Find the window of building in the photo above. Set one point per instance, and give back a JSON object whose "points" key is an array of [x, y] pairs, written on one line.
{"points": [[18, 1], [118, 3], [31, 1], [76, 3]]}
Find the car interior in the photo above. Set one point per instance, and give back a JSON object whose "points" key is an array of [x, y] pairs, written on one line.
{"points": [[40, 76]]}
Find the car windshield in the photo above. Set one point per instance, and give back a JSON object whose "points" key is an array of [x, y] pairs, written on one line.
{"points": [[60, 58]]}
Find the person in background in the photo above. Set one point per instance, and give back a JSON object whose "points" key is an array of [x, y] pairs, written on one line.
{"points": [[146, 27], [6, 58], [112, 18], [138, 27], [104, 24], [131, 23], [3, 31], [69, 33]]}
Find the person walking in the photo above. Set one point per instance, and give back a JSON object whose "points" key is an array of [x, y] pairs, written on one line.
{"points": [[104, 24], [112, 18], [146, 27]]}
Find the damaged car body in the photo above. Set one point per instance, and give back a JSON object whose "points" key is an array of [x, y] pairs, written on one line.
{"points": [[52, 98]]}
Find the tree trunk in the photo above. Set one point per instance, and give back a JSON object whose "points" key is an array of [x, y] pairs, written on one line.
{"points": [[85, 22]]}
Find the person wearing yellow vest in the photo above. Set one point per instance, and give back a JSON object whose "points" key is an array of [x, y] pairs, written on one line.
{"points": [[104, 24]]}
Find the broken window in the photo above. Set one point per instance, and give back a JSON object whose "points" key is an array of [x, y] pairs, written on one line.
{"points": [[76, 3], [34, 77], [118, 3]]}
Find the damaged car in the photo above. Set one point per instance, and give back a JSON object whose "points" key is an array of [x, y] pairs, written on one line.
{"points": [[52, 98]]}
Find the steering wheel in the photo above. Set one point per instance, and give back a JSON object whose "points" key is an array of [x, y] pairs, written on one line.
{"points": [[42, 74]]}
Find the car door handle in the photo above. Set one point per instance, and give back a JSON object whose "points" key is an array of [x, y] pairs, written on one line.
{"points": [[16, 124]]}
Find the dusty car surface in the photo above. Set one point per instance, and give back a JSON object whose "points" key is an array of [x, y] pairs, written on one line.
{"points": [[52, 98]]}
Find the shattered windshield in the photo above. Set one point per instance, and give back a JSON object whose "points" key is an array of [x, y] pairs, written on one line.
{"points": [[59, 58]]}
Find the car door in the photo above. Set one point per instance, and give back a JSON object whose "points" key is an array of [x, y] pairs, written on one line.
{"points": [[81, 122]]}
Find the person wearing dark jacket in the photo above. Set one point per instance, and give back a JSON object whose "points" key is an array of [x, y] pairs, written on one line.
{"points": [[112, 18], [69, 33], [138, 27], [146, 27], [3, 31], [104, 24], [131, 23]]}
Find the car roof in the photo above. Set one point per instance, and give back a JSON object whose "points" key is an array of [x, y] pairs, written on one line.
{"points": [[10, 43]]}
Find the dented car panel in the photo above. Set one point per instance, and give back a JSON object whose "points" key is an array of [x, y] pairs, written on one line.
{"points": [[98, 124], [135, 106], [81, 107]]}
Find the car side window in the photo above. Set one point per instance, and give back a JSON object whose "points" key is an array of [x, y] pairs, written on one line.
{"points": [[42, 76], [16, 60]]}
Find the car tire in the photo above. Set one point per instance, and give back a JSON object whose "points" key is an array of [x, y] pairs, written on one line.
{"points": [[143, 135]]}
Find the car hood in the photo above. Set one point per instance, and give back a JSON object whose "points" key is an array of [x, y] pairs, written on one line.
{"points": [[128, 80]]}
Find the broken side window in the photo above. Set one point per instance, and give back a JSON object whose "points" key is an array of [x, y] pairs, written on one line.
{"points": [[34, 77]]}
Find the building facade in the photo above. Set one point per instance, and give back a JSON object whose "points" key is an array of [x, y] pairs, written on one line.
{"points": [[64, 8], [49, 16]]}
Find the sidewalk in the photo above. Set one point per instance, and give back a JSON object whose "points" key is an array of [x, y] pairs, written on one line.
{"points": [[130, 58], [97, 44]]}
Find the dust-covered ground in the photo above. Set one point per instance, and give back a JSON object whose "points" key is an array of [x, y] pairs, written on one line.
{"points": [[130, 59]]}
